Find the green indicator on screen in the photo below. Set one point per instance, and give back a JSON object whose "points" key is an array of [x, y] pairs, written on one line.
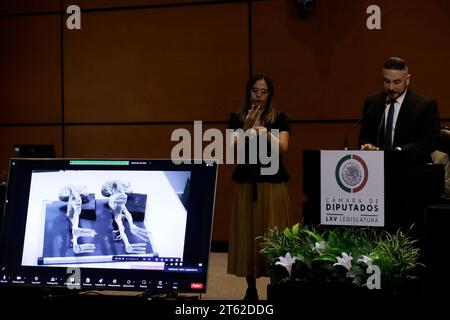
{"points": [[100, 162]]}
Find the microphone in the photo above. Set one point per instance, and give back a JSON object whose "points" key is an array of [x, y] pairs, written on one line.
{"points": [[355, 125]]}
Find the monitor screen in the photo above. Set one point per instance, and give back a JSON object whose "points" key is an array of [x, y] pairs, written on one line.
{"points": [[108, 224]]}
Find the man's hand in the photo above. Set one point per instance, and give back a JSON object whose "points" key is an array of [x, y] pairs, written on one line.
{"points": [[368, 146]]}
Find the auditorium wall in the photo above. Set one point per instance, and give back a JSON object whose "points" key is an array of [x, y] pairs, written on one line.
{"points": [[138, 69]]}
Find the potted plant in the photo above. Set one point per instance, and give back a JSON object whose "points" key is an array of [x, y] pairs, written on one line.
{"points": [[356, 260]]}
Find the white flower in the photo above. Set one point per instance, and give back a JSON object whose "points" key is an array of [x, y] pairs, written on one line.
{"points": [[345, 261], [301, 258], [367, 260], [320, 247], [287, 261]]}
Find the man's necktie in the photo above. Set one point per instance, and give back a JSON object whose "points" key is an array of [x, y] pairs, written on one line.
{"points": [[389, 123]]}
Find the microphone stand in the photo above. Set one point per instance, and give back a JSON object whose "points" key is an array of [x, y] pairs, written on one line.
{"points": [[348, 133], [355, 125]]}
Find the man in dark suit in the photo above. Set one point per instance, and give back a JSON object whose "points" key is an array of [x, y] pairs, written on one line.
{"points": [[400, 119], [413, 122]]}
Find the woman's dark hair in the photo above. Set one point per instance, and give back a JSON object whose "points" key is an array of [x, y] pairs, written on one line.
{"points": [[248, 90]]}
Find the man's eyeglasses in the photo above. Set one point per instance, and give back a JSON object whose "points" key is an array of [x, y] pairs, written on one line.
{"points": [[261, 91]]}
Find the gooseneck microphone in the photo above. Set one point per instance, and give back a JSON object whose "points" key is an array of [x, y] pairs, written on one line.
{"points": [[356, 124]]}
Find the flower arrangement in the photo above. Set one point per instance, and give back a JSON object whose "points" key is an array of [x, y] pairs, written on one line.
{"points": [[345, 256]]}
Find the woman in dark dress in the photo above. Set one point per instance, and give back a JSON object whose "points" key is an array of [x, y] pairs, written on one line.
{"points": [[261, 200]]}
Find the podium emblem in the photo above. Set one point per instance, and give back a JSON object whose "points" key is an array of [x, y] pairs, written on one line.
{"points": [[351, 173]]}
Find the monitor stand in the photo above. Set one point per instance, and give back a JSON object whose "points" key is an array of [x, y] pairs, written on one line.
{"points": [[172, 295]]}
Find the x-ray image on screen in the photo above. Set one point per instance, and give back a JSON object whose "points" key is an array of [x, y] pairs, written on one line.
{"points": [[114, 219]]}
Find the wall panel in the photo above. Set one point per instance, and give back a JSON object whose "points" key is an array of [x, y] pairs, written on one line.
{"points": [[164, 64], [325, 63], [130, 74], [96, 4], [30, 77], [28, 6]]}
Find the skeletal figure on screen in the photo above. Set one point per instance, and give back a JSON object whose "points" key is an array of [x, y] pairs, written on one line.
{"points": [[118, 191], [75, 196]]}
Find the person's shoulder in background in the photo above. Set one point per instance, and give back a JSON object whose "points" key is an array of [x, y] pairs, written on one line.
{"points": [[444, 140]]}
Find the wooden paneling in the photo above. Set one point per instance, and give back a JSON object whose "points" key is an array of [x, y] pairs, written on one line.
{"points": [[164, 64], [110, 141], [190, 62], [30, 81], [28, 6], [27, 135], [95, 4], [145, 141], [324, 64]]}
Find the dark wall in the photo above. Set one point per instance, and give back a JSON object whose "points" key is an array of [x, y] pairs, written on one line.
{"points": [[139, 69]]}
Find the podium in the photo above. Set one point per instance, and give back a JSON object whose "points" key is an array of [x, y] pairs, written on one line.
{"points": [[437, 220], [409, 187]]}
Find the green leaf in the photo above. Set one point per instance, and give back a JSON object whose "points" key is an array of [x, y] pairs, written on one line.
{"points": [[296, 229], [288, 233], [313, 235]]}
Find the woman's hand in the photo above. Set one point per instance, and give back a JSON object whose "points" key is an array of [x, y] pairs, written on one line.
{"points": [[260, 129], [253, 114]]}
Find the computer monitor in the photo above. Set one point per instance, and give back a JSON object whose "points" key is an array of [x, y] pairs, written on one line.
{"points": [[98, 224], [34, 151]]}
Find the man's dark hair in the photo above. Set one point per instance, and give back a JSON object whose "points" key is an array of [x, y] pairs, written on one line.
{"points": [[395, 63]]}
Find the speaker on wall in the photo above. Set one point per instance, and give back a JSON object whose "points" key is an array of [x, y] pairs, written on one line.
{"points": [[305, 8], [306, 4]]}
